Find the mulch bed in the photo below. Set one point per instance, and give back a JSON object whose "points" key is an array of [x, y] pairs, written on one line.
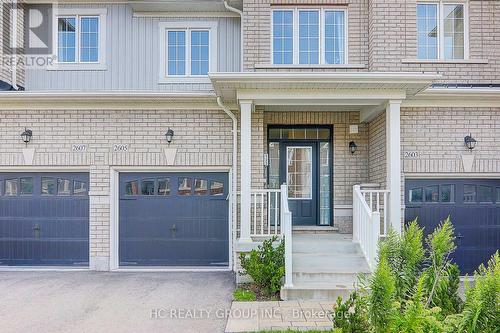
{"points": [[259, 294]]}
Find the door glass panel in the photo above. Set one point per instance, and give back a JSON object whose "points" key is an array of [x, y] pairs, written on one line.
{"points": [[148, 187], [447, 193], [11, 187], [185, 185], [63, 186], [26, 186], [48, 186], [324, 184], [299, 172], [79, 188], [416, 194], [216, 188], [469, 193], [132, 188], [484, 194], [164, 186], [200, 187], [274, 165], [432, 194]]}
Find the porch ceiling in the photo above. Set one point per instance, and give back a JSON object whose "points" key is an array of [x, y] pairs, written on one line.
{"points": [[342, 91]]}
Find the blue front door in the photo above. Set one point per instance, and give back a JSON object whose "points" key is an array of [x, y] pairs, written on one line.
{"points": [[299, 171]]}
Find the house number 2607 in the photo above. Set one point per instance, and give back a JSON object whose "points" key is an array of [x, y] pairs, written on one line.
{"points": [[120, 148]]}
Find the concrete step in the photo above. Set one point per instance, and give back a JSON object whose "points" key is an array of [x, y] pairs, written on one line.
{"points": [[348, 279], [329, 263], [314, 229], [315, 291]]}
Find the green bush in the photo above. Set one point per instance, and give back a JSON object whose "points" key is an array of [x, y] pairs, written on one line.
{"points": [[242, 295], [266, 265], [415, 289]]}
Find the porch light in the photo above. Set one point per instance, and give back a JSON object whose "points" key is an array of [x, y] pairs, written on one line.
{"points": [[169, 135], [470, 142], [353, 147], [26, 136]]}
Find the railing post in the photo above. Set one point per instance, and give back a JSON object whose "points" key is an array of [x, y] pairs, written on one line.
{"points": [[286, 225], [355, 215]]}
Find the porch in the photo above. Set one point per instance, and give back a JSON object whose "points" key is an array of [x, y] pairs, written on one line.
{"points": [[320, 166]]}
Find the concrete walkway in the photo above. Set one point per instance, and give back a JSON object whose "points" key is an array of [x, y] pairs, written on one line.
{"points": [[114, 302], [299, 315]]}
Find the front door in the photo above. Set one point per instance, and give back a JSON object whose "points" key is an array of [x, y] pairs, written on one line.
{"points": [[299, 171]]}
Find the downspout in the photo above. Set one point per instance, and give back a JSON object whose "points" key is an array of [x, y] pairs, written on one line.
{"points": [[14, 46], [240, 13], [234, 191]]}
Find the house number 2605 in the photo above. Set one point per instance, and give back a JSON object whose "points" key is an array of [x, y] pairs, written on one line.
{"points": [[120, 148]]}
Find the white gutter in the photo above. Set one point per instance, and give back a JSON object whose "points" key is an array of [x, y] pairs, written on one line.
{"points": [[234, 190], [240, 13]]}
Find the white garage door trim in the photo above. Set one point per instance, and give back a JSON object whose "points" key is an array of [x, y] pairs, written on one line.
{"points": [[54, 169], [114, 217]]}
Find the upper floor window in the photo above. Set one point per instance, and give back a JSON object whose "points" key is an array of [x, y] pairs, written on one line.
{"points": [[441, 31], [79, 40], [187, 50], [309, 36]]}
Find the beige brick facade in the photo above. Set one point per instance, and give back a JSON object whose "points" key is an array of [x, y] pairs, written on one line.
{"points": [[54, 133]]}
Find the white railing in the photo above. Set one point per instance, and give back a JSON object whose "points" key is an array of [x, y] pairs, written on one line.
{"points": [[265, 213], [286, 224], [377, 202], [366, 226]]}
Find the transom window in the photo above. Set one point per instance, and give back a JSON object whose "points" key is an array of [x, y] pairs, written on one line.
{"points": [[187, 50], [309, 36], [442, 30]]}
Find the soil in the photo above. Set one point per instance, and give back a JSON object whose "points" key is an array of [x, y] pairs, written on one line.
{"points": [[259, 294]]}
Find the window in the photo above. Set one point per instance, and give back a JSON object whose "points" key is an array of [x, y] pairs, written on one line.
{"points": [[188, 50], [132, 188], [484, 194], [185, 185], [148, 187], [309, 36], [48, 186], [63, 187], [441, 31], [79, 39], [26, 186], [447, 193], [469, 193], [11, 187], [164, 186], [416, 195], [200, 187], [432, 193], [216, 188], [79, 188]]}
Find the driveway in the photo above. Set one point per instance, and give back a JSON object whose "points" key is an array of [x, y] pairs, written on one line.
{"points": [[114, 302]]}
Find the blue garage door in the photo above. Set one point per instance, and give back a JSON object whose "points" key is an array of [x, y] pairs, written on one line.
{"points": [[474, 207], [44, 219], [177, 219]]}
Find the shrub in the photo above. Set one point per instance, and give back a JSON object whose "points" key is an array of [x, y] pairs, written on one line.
{"points": [[351, 316], [266, 265]]}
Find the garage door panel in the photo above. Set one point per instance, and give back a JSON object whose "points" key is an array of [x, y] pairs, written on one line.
{"points": [[474, 214], [187, 226], [45, 228]]}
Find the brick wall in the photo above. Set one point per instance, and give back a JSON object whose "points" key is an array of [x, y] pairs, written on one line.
{"points": [[54, 132], [437, 134], [377, 159]]}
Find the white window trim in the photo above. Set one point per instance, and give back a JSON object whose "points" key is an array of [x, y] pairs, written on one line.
{"points": [[440, 11], [187, 26], [295, 46], [101, 13]]}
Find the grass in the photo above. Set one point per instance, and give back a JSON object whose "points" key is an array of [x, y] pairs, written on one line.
{"points": [[295, 331], [242, 295]]}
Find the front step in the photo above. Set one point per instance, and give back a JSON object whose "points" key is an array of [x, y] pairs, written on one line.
{"points": [[325, 266], [320, 229]]}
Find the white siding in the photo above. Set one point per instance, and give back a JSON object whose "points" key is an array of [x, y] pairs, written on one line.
{"points": [[132, 53]]}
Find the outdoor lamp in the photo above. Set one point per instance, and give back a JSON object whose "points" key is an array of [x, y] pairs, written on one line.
{"points": [[353, 147], [470, 142], [169, 135], [26, 136]]}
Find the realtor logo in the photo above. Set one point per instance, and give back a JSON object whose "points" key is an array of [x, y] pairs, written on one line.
{"points": [[37, 20]]}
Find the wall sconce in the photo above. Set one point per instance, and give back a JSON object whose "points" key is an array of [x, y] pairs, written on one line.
{"points": [[169, 135], [470, 142], [353, 147], [26, 136]]}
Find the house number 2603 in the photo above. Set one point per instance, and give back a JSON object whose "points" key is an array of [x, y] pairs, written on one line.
{"points": [[120, 148], [411, 154]]}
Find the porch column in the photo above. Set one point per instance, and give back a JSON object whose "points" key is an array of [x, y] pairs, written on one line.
{"points": [[393, 151], [246, 107]]}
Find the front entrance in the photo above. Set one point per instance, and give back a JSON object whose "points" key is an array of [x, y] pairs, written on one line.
{"points": [[300, 156]]}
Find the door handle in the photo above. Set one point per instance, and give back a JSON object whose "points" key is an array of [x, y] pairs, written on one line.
{"points": [[173, 229], [36, 231]]}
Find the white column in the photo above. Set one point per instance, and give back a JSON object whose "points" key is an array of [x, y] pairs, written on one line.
{"points": [[246, 108], [393, 151]]}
